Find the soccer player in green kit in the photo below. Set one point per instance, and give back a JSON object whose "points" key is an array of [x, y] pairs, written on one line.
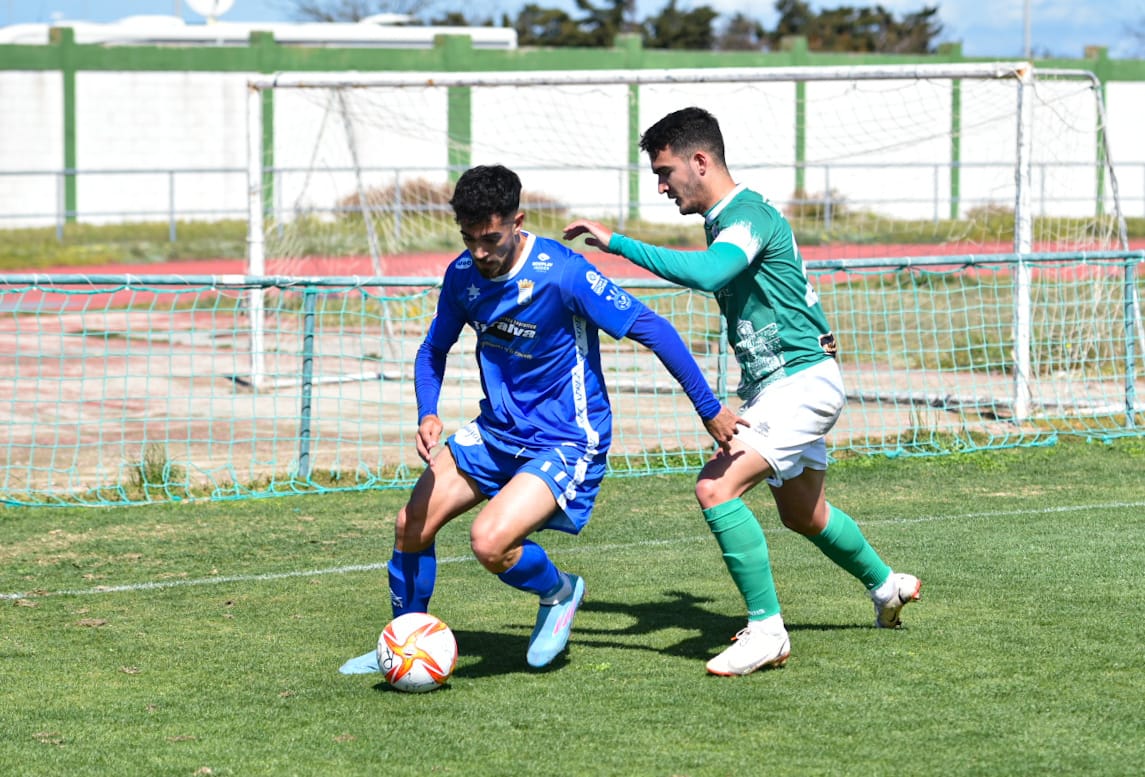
{"points": [[790, 384]]}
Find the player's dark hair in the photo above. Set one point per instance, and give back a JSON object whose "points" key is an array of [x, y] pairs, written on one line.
{"points": [[685, 131], [486, 191]]}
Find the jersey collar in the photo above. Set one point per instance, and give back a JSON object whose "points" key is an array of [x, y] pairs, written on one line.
{"points": [[715, 210]]}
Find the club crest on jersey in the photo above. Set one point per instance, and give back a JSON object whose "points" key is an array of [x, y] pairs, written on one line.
{"points": [[524, 291], [473, 292], [618, 298]]}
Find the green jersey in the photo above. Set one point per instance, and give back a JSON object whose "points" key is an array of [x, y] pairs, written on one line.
{"points": [[775, 324]]}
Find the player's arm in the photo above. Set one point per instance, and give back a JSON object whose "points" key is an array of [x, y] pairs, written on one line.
{"points": [[656, 333], [616, 312], [708, 270], [428, 374], [429, 371]]}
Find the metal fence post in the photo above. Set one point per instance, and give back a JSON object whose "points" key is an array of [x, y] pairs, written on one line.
{"points": [[1132, 323], [60, 206], [171, 206], [309, 303]]}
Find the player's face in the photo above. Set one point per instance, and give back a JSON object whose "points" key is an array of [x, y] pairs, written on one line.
{"points": [[678, 178], [495, 245]]}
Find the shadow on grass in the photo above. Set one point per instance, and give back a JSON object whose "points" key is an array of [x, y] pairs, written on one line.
{"points": [[488, 654], [680, 610], [499, 653]]}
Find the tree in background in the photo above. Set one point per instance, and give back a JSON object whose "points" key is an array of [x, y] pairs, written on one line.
{"points": [[795, 18], [352, 10], [741, 33], [594, 27], [871, 29], [537, 26], [676, 29]]}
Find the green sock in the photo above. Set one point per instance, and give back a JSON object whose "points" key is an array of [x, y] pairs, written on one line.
{"points": [[745, 554], [843, 542]]}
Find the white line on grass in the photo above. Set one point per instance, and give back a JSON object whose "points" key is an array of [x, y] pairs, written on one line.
{"points": [[157, 585]]}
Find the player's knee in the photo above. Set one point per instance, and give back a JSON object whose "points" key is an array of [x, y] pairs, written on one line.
{"points": [[410, 531], [793, 523], [711, 492], [489, 550], [799, 521], [400, 523]]}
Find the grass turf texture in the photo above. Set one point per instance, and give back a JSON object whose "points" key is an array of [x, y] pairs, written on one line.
{"points": [[221, 655]]}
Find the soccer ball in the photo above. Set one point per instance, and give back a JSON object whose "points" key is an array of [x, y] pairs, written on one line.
{"points": [[417, 652]]}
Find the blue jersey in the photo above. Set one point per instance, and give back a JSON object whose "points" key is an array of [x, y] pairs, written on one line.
{"points": [[538, 344]]}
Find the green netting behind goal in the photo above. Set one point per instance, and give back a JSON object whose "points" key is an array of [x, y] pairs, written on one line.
{"points": [[118, 390]]}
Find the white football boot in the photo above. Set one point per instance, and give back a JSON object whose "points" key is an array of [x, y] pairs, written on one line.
{"points": [[896, 592], [759, 644]]}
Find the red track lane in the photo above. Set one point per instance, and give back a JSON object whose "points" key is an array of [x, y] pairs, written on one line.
{"points": [[432, 265]]}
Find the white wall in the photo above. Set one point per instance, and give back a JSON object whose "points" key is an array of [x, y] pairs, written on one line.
{"points": [[1125, 112], [155, 121], [31, 138], [880, 146]]}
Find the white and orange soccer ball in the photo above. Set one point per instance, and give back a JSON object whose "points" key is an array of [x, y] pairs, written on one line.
{"points": [[417, 652]]}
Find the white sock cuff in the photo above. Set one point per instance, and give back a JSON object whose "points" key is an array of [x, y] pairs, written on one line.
{"points": [[884, 589], [769, 625]]}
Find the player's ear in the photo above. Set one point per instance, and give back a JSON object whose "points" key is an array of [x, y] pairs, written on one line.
{"points": [[701, 161], [518, 220]]}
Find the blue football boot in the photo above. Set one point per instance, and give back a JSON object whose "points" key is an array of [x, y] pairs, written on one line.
{"points": [[363, 664], [554, 622]]}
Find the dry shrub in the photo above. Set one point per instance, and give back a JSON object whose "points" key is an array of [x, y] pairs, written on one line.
{"points": [[432, 196]]}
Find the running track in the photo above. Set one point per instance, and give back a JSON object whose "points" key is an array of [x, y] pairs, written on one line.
{"points": [[432, 265]]}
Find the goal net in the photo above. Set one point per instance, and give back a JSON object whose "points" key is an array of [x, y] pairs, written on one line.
{"points": [[960, 221], [360, 166]]}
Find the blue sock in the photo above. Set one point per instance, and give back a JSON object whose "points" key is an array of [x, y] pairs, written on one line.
{"points": [[534, 571], [412, 577]]}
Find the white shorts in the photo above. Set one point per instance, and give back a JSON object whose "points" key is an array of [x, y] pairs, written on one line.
{"points": [[790, 419]]}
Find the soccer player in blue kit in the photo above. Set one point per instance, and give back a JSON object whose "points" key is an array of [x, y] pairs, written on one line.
{"points": [[536, 453], [790, 383]]}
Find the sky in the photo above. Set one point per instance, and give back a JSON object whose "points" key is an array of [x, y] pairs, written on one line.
{"points": [[986, 28]]}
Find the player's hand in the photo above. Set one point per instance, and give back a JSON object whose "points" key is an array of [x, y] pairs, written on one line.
{"points": [[598, 235], [723, 427], [428, 434]]}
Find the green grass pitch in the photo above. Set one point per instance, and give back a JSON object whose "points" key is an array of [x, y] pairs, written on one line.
{"points": [[204, 639]]}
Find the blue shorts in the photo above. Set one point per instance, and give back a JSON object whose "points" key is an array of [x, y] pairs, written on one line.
{"points": [[572, 476]]}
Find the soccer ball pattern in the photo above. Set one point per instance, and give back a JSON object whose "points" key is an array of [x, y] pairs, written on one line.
{"points": [[417, 652]]}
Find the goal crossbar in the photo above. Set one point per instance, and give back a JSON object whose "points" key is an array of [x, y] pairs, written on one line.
{"points": [[356, 79]]}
